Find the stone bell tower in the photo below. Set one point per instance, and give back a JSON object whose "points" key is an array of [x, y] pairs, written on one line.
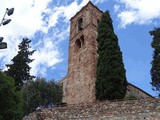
{"points": [[79, 84]]}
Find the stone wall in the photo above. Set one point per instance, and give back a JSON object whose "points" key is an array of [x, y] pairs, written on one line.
{"points": [[133, 91], [141, 109]]}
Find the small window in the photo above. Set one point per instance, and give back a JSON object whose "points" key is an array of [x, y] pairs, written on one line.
{"points": [[82, 40], [78, 44], [80, 58], [80, 24]]}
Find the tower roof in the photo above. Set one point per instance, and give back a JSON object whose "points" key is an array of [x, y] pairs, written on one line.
{"points": [[85, 7]]}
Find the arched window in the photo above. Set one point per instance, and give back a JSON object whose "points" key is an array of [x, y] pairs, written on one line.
{"points": [[79, 43], [80, 24]]}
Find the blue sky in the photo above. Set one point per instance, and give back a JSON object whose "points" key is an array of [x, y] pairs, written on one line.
{"points": [[46, 23]]}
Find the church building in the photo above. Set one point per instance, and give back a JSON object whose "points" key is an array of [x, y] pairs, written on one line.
{"points": [[79, 83]]}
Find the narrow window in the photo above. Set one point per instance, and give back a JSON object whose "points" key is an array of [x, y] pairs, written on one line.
{"points": [[80, 24], [78, 45], [82, 40]]}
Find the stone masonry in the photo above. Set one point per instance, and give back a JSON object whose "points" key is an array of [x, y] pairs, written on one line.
{"points": [[79, 84], [141, 109]]}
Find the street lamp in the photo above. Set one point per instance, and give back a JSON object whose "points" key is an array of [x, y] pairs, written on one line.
{"points": [[1, 39], [8, 12], [4, 21], [3, 45]]}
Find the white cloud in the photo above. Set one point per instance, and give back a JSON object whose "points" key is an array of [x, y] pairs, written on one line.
{"points": [[30, 17], [45, 57], [137, 11], [116, 8], [66, 11], [27, 19], [99, 1]]}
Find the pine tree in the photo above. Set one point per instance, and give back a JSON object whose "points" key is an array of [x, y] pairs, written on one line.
{"points": [[155, 70], [111, 81], [20, 70]]}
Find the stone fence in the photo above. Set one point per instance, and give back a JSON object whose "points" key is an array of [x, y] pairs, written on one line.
{"points": [[141, 109]]}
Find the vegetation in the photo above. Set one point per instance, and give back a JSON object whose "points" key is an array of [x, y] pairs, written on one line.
{"points": [[10, 103], [40, 93], [111, 81], [19, 94], [155, 70], [19, 70], [131, 97]]}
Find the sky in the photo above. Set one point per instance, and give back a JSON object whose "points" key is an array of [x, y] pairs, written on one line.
{"points": [[46, 23]]}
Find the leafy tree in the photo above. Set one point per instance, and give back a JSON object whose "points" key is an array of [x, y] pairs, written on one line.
{"points": [[10, 99], [19, 70], [31, 97], [111, 81], [155, 70], [40, 93]]}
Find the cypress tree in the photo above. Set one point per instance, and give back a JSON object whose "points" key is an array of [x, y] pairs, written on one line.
{"points": [[19, 70], [111, 81], [155, 70]]}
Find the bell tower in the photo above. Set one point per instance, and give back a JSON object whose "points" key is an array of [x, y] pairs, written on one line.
{"points": [[79, 84]]}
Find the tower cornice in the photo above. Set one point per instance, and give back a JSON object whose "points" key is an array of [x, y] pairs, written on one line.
{"points": [[89, 3]]}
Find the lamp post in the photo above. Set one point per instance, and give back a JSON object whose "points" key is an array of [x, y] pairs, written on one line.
{"points": [[3, 45]]}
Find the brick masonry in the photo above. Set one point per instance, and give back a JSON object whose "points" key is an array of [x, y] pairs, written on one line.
{"points": [[141, 109]]}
